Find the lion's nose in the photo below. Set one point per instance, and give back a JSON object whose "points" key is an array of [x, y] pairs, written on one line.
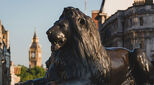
{"points": [[49, 32]]}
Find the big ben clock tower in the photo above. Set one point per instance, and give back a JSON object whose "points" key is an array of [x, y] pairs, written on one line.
{"points": [[35, 54]]}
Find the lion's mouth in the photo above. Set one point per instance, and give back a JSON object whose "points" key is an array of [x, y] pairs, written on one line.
{"points": [[57, 42], [55, 45]]}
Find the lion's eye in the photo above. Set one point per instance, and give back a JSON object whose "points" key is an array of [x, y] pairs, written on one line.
{"points": [[82, 21]]}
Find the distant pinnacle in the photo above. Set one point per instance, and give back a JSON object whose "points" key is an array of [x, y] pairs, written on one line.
{"points": [[35, 36]]}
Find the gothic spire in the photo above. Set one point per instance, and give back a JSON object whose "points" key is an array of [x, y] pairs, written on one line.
{"points": [[35, 35]]}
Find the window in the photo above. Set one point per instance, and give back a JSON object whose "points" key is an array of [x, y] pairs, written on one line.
{"points": [[39, 54], [141, 45], [33, 54], [130, 22], [141, 21], [135, 21]]}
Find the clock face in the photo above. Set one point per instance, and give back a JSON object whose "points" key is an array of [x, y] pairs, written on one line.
{"points": [[33, 55], [39, 54]]}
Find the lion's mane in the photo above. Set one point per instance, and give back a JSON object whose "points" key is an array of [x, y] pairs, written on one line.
{"points": [[82, 56]]}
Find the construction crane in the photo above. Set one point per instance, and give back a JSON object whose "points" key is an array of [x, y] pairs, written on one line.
{"points": [[102, 6]]}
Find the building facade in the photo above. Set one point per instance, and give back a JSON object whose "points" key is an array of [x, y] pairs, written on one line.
{"points": [[94, 16], [15, 70], [5, 77], [35, 53], [131, 28]]}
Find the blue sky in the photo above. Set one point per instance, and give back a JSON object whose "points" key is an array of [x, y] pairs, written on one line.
{"points": [[20, 17]]}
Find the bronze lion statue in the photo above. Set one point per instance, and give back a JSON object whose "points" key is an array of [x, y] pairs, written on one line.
{"points": [[79, 58]]}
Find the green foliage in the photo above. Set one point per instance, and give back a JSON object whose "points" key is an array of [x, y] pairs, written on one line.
{"points": [[31, 73]]}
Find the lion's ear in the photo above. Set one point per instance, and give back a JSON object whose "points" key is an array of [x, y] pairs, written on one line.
{"points": [[68, 11], [82, 21]]}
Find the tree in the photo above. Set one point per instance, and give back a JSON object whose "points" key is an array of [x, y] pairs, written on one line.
{"points": [[31, 73]]}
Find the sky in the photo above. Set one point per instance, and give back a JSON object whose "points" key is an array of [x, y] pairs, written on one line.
{"points": [[22, 17]]}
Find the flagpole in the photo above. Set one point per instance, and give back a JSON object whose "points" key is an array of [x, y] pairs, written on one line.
{"points": [[85, 6]]}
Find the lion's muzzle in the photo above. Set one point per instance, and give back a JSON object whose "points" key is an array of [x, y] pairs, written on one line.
{"points": [[57, 39]]}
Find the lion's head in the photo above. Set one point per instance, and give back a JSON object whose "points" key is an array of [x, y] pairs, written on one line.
{"points": [[58, 34], [77, 46], [63, 28]]}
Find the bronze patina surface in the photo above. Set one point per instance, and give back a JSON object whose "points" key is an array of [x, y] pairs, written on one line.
{"points": [[79, 58]]}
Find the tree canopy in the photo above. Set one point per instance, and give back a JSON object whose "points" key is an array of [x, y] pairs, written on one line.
{"points": [[31, 73]]}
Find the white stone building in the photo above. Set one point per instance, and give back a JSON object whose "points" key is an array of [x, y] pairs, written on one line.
{"points": [[14, 78], [131, 28]]}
